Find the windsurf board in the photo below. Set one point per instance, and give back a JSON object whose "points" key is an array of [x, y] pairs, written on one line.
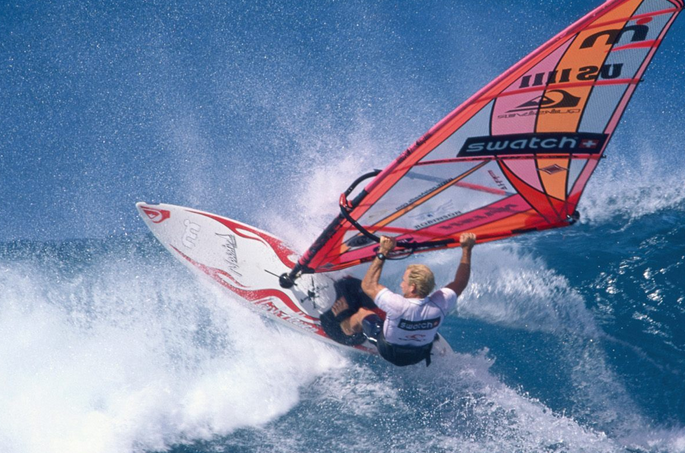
{"points": [[247, 262]]}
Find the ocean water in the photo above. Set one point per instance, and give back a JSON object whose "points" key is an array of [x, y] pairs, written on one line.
{"points": [[571, 340], [566, 341]]}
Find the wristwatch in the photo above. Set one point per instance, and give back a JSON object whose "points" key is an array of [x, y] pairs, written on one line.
{"points": [[380, 256]]}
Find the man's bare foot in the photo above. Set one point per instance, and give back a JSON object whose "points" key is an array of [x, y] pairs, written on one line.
{"points": [[346, 324], [346, 327], [339, 306]]}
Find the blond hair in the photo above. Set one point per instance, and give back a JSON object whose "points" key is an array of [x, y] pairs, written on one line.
{"points": [[422, 278]]}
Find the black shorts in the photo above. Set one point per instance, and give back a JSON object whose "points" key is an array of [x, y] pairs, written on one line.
{"points": [[399, 355]]}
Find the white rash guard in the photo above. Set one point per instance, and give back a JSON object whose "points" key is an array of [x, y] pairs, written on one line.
{"points": [[414, 322]]}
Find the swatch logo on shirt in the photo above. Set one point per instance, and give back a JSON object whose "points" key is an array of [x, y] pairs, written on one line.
{"points": [[427, 324]]}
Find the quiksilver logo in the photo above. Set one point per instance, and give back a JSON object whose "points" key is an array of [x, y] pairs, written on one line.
{"points": [[156, 215], [553, 143], [555, 99]]}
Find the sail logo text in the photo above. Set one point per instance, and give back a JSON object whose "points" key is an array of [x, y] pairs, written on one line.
{"points": [[552, 143], [437, 219], [586, 73], [482, 216], [498, 180], [425, 193], [638, 32]]}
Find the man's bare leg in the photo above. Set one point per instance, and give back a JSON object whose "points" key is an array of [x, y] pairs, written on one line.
{"points": [[353, 324], [339, 306]]}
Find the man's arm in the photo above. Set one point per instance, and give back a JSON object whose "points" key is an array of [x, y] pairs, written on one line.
{"points": [[461, 278], [370, 284]]}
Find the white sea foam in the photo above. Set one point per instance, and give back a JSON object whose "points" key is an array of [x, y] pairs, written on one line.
{"points": [[630, 188], [130, 358], [128, 355]]}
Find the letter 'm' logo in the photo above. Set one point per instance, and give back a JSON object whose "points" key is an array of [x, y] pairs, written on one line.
{"points": [[190, 233], [639, 33]]}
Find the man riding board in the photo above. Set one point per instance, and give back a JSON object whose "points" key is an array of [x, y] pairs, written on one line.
{"points": [[412, 319]]}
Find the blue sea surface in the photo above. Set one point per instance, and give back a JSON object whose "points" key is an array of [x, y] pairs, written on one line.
{"points": [[566, 341], [570, 340]]}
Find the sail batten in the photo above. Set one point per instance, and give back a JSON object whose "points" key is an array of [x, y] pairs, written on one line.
{"points": [[516, 156]]}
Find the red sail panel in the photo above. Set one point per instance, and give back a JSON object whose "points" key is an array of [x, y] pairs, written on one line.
{"points": [[517, 155]]}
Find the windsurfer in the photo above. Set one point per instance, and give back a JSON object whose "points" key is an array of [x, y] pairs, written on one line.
{"points": [[412, 319]]}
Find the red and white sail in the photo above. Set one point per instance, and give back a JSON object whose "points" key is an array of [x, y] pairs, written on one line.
{"points": [[516, 156]]}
